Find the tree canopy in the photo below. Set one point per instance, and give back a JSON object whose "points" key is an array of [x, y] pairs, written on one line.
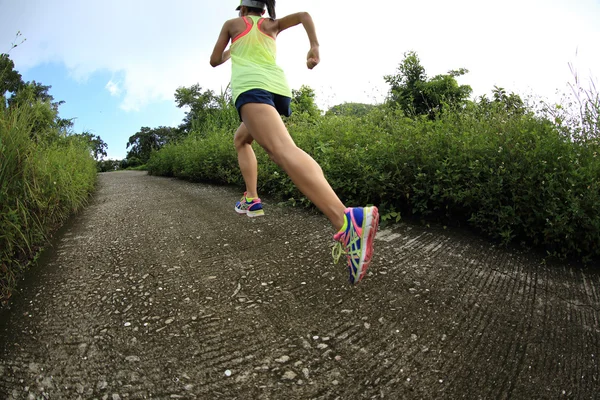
{"points": [[303, 101], [202, 104], [415, 94], [95, 143], [147, 139], [351, 109], [33, 95], [10, 80]]}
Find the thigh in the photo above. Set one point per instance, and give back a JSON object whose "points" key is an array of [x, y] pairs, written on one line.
{"points": [[266, 127], [254, 96]]}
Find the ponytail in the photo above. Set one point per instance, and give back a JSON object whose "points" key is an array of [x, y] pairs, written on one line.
{"points": [[271, 8]]}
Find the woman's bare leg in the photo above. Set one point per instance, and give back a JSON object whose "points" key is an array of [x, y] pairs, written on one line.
{"points": [[264, 124], [246, 159]]}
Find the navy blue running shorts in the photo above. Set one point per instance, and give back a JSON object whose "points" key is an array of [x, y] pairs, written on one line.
{"points": [[281, 103]]}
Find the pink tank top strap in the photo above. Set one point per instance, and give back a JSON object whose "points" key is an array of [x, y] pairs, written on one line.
{"points": [[248, 28]]}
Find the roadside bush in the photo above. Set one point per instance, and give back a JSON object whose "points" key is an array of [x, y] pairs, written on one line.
{"points": [[44, 177], [211, 158], [514, 176]]}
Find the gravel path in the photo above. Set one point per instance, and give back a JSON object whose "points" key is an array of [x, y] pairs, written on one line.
{"points": [[158, 289]]}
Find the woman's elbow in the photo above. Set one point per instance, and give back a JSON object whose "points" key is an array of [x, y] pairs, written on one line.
{"points": [[216, 59], [304, 16]]}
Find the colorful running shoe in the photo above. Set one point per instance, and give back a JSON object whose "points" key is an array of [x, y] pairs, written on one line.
{"points": [[357, 241], [251, 208]]}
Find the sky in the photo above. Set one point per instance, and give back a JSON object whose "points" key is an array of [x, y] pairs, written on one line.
{"points": [[117, 63]]}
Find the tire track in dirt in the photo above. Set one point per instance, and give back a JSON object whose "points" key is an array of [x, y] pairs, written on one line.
{"points": [[387, 371], [519, 347], [472, 322], [499, 288]]}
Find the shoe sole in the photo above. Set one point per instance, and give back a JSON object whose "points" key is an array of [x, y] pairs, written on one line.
{"points": [[250, 214], [370, 232]]}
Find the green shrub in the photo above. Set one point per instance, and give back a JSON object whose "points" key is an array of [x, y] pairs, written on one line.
{"points": [[514, 176], [44, 177]]}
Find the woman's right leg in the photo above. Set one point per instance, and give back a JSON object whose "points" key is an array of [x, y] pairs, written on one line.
{"points": [[264, 124], [356, 227]]}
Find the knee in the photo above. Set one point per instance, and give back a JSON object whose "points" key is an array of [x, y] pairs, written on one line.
{"points": [[240, 140], [237, 142]]}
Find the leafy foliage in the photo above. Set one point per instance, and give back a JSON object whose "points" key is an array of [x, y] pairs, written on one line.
{"points": [[10, 79], [146, 140], [108, 165], [201, 104], [96, 145], [351, 109], [496, 165], [492, 165], [578, 114], [41, 183], [413, 93], [46, 173], [303, 102]]}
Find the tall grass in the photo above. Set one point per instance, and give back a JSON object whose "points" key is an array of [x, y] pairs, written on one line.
{"points": [[44, 177], [577, 115]]}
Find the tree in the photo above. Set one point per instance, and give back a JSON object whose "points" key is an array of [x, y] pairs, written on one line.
{"points": [[108, 165], [509, 103], [412, 92], [142, 143], [407, 86], [303, 102], [95, 143], [167, 135], [201, 105], [10, 80], [512, 102], [149, 139], [351, 109], [42, 110]]}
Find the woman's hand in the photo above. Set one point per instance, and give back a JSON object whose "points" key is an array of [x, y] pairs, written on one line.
{"points": [[312, 58]]}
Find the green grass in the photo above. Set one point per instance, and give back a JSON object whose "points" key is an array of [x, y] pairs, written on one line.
{"points": [[44, 178], [142, 167]]}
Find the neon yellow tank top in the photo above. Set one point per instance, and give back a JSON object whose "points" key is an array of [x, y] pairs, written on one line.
{"points": [[253, 62]]}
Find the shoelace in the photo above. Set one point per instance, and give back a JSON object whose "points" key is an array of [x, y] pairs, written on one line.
{"points": [[337, 251]]}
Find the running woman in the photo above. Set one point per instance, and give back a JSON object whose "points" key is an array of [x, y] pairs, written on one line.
{"points": [[261, 95]]}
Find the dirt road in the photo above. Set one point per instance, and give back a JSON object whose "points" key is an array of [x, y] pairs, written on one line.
{"points": [[158, 289]]}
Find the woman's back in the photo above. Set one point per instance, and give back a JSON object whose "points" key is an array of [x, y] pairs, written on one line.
{"points": [[253, 57]]}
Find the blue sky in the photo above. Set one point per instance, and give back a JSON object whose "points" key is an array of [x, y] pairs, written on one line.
{"points": [[117, 63], [94, 109]]}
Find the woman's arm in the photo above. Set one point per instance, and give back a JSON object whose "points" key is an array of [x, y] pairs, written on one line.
{"points": [[219, 54], [304, 18]]}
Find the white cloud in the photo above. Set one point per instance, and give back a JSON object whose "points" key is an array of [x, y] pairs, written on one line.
{"points": [[156, 46], [113, 88]]}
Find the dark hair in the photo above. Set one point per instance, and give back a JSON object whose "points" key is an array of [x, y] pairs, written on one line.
{"points": [[270, 7]]}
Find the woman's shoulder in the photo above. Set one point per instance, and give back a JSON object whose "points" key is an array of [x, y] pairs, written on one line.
{"points": [[235, 21], [270, 26], [235, 26]]}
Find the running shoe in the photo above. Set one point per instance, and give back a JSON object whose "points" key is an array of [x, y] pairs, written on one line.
{"points": [[250, 208], [357, 241]]}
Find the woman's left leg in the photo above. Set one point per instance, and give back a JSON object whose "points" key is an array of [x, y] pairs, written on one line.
{"points": [[247, 160]]}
